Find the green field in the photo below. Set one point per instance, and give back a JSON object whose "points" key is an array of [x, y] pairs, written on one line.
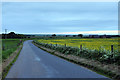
{"points": [[9, 46], [90, 43]]}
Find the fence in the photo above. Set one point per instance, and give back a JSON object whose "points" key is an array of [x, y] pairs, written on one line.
{"points": [[102, 56], [81, 47]]}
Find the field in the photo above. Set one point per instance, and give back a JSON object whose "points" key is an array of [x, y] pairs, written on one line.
{"points": [[92, 48], [9, 46], [96, 43]]}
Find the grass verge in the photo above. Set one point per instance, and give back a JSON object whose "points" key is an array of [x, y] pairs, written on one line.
{"points": [[6, 69], [91, 67]]}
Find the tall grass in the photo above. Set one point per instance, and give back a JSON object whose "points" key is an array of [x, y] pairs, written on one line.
{"points": [[9, 46]]}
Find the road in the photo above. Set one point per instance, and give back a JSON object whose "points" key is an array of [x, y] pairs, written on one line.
{"points": [[36, 63]]}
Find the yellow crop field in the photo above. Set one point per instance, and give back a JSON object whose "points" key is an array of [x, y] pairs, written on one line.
{"points": [[90, 43]]}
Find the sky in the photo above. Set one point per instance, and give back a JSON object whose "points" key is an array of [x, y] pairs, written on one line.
{"points": [[60, 17]]}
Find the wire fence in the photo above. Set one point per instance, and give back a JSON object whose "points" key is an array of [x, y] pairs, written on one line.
{"points": [[100, 55], [112, 48]]}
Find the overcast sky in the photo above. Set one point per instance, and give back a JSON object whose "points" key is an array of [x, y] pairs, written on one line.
{"points": [[59, 17]]}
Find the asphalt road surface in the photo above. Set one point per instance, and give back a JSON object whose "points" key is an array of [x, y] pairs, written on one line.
{"points": [[36, 63]]}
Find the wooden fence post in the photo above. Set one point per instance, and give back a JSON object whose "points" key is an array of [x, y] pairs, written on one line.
{"points": [[118, 48], [65, 45], [80, 47], [111, 48]]}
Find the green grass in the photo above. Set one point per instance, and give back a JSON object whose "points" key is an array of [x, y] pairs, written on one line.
{"points": [[8, 47], [5, 71]]}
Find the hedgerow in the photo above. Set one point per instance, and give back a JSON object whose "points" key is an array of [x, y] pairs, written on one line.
{"points": [[101, 55]]}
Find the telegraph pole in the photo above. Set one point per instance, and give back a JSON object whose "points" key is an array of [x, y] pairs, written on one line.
{"points": [[5, 33]]}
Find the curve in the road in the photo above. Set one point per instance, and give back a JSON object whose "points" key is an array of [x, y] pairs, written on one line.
{"points": [[36, 63]]}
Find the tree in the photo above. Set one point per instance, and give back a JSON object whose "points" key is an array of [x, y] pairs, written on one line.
{"points": [[11, 33], [67, 36], [74, 35], [53, 35], [80, 35]]}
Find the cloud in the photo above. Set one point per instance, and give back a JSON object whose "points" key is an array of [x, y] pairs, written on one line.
{"points": [[32, 17]]}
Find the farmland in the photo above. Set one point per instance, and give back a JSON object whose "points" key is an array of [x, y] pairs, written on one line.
{"points": [[92, 48], [9, 46], [101, 43]]}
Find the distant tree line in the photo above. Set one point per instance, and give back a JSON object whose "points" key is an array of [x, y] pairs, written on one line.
{"points": [[88, 36], [79, 35], [12, 35]]}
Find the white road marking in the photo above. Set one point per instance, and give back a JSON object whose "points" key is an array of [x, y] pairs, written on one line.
{"points": [[37, 59]]}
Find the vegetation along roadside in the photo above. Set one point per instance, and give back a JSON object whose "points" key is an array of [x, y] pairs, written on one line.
{"points": [[11, 49], [85, 57]]}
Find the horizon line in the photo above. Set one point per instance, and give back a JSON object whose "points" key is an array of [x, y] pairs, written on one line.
{"points": [[108, 32]]}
